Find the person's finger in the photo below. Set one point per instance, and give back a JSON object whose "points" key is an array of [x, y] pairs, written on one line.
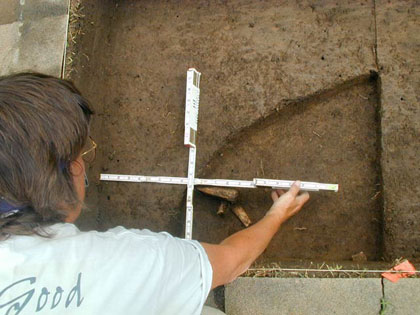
{"points": [[303, 198], [294, 189], [280, 192], [274, 195]]}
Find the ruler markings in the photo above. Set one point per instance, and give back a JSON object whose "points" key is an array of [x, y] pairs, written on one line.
{"points": [[257, 182], [192, 101], [190, 193]]}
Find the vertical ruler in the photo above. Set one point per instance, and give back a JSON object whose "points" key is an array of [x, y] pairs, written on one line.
{"points": [[190, 192], [192, 100]]}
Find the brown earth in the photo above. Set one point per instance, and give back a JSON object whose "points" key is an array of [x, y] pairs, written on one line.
{"points": [[331, 138], [287, 92]]}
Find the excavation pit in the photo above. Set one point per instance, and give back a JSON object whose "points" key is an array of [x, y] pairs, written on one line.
{"points": [[278, 100]]}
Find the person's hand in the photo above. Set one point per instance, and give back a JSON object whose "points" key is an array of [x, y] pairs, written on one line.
{"points": [[287, 204]]}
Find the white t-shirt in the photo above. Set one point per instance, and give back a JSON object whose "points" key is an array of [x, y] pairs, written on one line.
{"points": [[120, 271]]}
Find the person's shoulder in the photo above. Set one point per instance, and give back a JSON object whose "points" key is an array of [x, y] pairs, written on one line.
{"points": [[140, 234], [69, 229], [120, 237], [115, 242], [117, 234]]}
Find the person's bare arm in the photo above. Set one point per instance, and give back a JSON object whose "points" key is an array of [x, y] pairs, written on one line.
{"points": [[235, 254]]}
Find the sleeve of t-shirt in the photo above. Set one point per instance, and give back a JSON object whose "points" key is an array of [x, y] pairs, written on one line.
{"points": [[182, 273]]}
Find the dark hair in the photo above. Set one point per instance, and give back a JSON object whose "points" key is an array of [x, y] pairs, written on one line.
{"points": [[44, 125]]}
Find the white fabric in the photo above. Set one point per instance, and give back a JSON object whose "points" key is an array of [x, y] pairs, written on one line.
{"points": [[115, 272]]}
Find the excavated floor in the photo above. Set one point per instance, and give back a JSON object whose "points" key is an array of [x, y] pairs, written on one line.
{"points": [[287, 91]]}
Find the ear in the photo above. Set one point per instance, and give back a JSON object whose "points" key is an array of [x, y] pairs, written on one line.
{"points": [[76, 168]]}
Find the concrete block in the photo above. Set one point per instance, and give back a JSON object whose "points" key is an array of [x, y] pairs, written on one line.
{"points": [[9, 11], [303, 296], [216, 298], [208, 310], [403, 297], [36, 45], [211, 300], [33, 35], [35, 10], [9, 50], [42, 45], [14, 10]]}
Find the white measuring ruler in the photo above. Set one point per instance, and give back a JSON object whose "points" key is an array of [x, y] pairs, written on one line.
{"points": [[192, 100], [255, 183]]}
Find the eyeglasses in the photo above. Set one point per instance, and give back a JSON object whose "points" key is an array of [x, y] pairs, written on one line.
{"points": [[90, 154]]}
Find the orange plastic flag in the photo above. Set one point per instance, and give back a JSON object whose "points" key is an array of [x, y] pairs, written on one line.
{"points": [[395, 276]]}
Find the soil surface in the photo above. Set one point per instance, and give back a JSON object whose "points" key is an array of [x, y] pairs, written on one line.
{"points": [[332, 138], [286, 93]]}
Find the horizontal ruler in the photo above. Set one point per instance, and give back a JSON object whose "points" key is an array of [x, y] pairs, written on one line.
{"points": [[256, 182]]}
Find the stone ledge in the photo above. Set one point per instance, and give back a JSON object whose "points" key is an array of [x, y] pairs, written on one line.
{"points": [[303, 296], [402, 297]]}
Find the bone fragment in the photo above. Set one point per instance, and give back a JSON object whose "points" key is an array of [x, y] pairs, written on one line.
{"points": [[222, 208], [242, 216], [228, 194]]}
